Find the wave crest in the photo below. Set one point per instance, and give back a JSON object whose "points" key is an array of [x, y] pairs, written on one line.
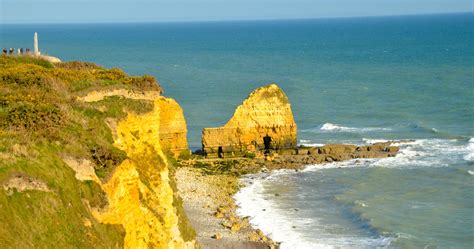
{"points": [[330, 127]]}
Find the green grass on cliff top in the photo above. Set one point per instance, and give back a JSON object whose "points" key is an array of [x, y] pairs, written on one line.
{"points": [[40, 122]]}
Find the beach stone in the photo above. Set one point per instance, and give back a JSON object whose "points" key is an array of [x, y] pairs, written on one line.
{"points": [[254, 237], [337, 148], [218, 215], [392, 149], [235, 227], [217, 236]]}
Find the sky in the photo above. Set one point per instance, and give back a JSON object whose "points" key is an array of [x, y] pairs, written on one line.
{"points": [[92, 11]]}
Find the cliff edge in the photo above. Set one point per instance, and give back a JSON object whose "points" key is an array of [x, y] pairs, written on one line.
{"points": [[85, 157]]}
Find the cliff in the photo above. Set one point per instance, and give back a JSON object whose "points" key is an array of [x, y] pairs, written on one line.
{"points": [[264, 121], [173, 130], [83, 153], [140, 194]]}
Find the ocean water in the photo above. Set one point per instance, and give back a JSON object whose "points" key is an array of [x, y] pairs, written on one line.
{"points": [[354, 80]]}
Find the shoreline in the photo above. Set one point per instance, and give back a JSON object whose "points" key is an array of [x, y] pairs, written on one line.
{"points": [[208, 200], [208, 188]]}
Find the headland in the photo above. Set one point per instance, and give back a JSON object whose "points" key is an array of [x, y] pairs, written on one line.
{"points": [[93, 157]]}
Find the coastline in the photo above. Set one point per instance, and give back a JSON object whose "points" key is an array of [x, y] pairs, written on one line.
{"points": [[213, 212], [210, 190]]}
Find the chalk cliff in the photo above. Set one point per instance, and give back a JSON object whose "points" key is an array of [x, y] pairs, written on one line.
{"points": [[140, 191], [264, 121]]}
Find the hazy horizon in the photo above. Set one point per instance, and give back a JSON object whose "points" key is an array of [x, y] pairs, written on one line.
{"points": [[147, 11], [241, 20]]}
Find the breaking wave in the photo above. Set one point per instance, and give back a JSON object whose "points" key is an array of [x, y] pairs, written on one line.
{"points": [[266, 213], [330, 127]]}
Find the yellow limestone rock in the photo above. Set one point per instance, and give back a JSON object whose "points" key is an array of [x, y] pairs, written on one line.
{"points": [[173, 128], [264, 121], [139, 192]]}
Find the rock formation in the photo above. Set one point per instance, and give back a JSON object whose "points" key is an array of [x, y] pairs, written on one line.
{"points": [[140, 191], [263, 122], [173, 128]]}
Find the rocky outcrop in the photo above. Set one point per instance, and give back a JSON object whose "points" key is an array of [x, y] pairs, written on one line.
{"points": [[296, 158], [21, 182], [264, 121], [49, 58], [83, 168], [173, 128], [140, 193]]}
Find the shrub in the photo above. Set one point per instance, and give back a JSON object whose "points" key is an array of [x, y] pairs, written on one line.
{"points": [[145, 82], [250, 155], [78, 65], [25, 75], [105, 159], [110, 74], [26, 115]]}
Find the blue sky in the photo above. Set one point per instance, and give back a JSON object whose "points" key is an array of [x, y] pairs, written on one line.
{"points": [[64, 11]]}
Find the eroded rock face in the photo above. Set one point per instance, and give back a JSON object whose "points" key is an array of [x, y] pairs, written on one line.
{"points": [[173, 128], [263, 121], [140, 192]]}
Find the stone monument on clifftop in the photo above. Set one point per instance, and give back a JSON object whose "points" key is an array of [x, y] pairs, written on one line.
{"points": [[35, 45]]}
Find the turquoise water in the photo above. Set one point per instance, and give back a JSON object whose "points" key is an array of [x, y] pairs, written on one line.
{"points": [[349, 80]]}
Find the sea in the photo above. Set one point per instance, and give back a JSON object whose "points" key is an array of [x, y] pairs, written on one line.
{"points": [[349, 80]]}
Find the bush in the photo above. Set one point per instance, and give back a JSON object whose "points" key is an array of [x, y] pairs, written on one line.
{"points": [[105, 159], [78, 65], [250, 155], [111, 74], [145, 82], [25, 75], [26, 115]]}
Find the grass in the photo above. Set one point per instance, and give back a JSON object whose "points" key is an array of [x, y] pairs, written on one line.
{"points": [[41, 121]]}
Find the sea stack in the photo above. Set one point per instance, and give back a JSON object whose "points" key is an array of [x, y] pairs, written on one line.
{"points": [[263, 123]]}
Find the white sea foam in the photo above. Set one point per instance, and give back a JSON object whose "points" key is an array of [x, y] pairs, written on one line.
{"points": [[274, 221], [373, 141], [309, 143], [470, 151], [280, 224], [330, 128]]}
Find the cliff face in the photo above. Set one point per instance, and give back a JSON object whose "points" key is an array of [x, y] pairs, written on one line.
{"points": [[173, 128], [263, 121], [139, 192], [84, 161]]}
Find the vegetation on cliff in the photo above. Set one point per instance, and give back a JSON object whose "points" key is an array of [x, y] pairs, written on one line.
{"points": [[48, 137]]}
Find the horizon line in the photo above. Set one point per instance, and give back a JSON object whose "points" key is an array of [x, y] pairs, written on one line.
{"points": [[242, 20]]}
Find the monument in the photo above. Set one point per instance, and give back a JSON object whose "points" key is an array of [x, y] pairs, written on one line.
{"points": [[35, 45]]}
